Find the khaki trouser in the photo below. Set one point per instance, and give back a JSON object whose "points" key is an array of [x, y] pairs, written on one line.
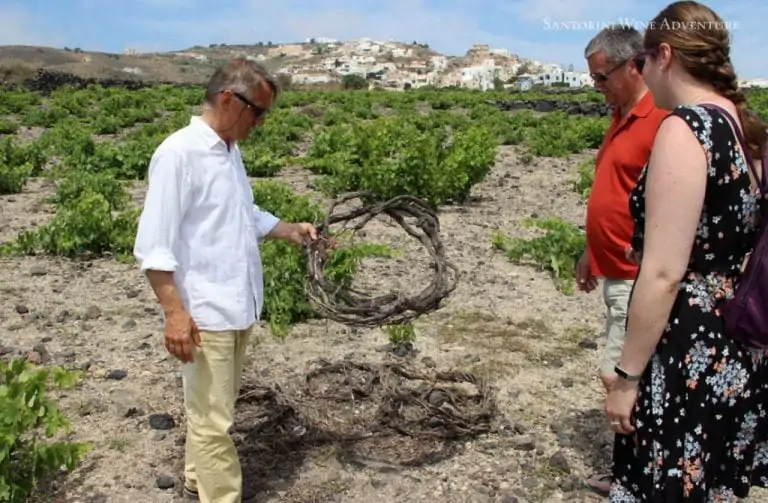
{"points": [[616, 297], [211, 386]]}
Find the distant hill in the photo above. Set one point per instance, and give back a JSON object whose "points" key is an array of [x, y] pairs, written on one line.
{"points": [[165, 67], [315, 62]]}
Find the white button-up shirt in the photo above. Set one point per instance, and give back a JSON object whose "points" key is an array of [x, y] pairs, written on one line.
{"points": [[200, 221]]}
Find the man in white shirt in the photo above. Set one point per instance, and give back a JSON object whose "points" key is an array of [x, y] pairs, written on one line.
{"points": [[197, 243]]}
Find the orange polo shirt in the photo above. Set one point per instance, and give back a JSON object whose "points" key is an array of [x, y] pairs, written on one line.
{"points": [[622, 156]]}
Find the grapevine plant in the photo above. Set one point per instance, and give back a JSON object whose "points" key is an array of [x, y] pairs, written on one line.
{"points": [[29, 422]]}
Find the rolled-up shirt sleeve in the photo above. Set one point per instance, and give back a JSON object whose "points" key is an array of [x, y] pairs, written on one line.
{"points": [[164, 207], [265, 222]]}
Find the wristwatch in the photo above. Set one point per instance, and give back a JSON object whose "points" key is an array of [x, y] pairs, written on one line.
{"points": [[621, 373]]}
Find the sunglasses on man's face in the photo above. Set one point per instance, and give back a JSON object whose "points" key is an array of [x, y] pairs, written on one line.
{"points": [[603, 77], [257, 111], [641, 58]]}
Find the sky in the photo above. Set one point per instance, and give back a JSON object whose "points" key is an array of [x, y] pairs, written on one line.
{"points": [[552, 31]]}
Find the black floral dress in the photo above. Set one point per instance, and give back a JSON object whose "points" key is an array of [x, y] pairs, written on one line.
{"points": [[700, 415]]}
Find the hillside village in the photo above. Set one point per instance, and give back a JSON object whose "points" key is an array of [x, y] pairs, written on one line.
{"points": [[397, 66], [321, 62]]}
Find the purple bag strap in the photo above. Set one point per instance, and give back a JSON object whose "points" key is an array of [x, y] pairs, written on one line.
{"points": [[761, 183]]}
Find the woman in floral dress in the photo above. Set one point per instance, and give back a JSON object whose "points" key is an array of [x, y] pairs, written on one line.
{"points": [[690, 407]]}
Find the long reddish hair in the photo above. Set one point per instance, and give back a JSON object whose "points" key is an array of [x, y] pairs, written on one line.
{"points": [[700, 42]]}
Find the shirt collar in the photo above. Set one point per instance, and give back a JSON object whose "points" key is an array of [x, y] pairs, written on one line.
{"points": [[642, 108], [210, 136], [645, 106]]}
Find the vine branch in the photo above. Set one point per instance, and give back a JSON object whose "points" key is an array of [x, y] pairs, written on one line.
{"points": [[349, 306]]}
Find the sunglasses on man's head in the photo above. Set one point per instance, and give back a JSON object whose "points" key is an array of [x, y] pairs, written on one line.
{"points": [[258, 112]]}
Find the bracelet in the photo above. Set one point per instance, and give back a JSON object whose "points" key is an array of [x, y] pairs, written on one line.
{"points": [[621, 373]]}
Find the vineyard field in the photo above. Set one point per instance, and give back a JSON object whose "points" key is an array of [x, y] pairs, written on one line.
{"points": [[509, 183]]}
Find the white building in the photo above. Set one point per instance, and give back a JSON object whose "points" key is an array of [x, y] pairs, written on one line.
{"points": [[586, 80], [366, 45], [363, 60], [191, 55], [402, 53], [550, 67], [311, 78], [525, 82], [417, 66], [560, 77], [439, 63], [322, 40], [754, 83], [351, 67], [327, 64], [417, 80], [478, 77], [573, 79]]}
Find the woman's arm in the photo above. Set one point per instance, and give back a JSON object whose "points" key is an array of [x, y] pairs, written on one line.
{"points": [[674, 196]]}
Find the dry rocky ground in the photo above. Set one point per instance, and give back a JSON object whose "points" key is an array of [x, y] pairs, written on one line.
{"points": [[508, 324]]}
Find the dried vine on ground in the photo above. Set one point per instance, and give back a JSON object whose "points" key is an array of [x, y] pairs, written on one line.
{"points": [[383, 412], [349, 306]]}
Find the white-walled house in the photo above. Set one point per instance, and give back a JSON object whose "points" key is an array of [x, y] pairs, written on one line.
{"points": [[525, 82], [573, 79], [559, 76], [478, 77], [585, 80], [309, 78], [402, 53], [350, 67]]}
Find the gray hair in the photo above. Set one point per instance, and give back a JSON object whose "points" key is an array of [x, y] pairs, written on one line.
{"points": [[620, 42], [240, 75]]}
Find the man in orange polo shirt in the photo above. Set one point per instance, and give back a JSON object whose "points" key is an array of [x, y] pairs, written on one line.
{"points": [[622, 156]]}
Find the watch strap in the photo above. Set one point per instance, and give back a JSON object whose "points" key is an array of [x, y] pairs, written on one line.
{"points": [[624, 375]]}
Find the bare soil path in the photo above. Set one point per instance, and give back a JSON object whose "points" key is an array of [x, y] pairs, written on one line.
{"points": [[536, 348]]}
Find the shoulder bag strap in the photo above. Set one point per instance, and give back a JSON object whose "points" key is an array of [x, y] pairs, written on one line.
{"points": [[761, 182]]}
